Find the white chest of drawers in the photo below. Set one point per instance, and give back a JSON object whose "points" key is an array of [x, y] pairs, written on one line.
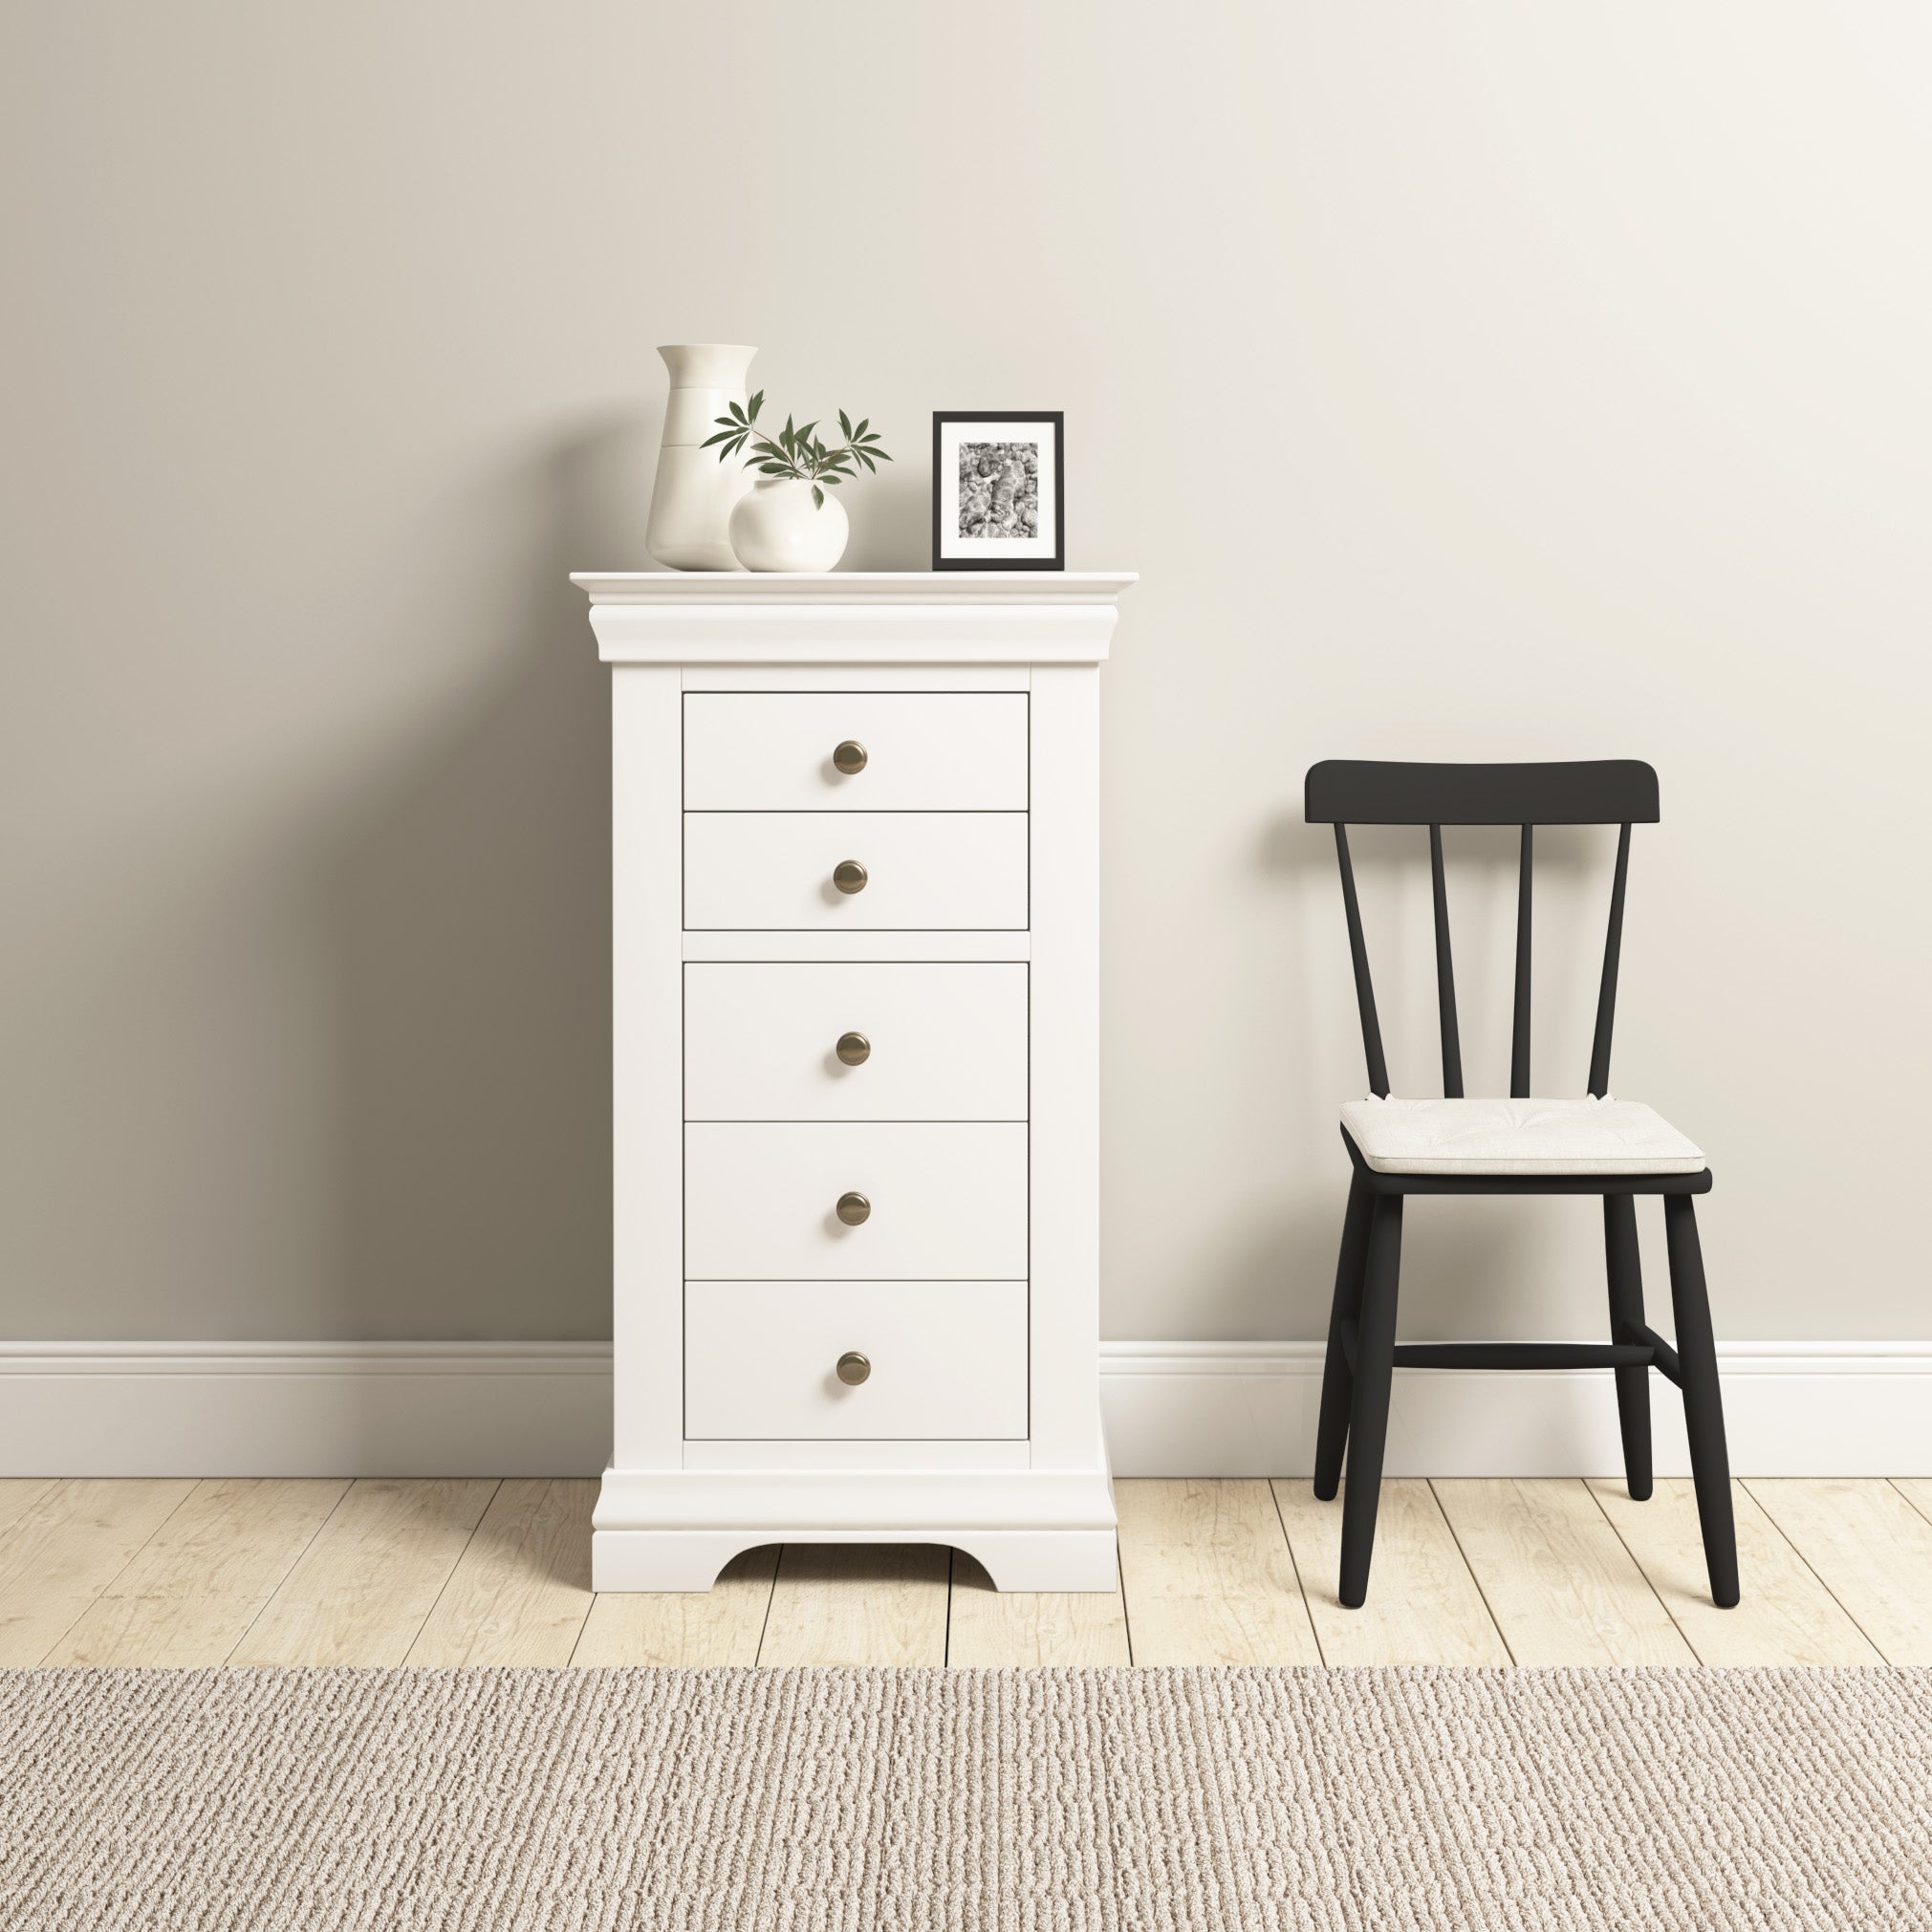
{"points": [[856, 1110]]}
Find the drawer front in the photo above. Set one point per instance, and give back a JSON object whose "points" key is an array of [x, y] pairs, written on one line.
{"points": [[924, 871], [933, 1042], [946, 1202], [933, 751], [946, 1360]]}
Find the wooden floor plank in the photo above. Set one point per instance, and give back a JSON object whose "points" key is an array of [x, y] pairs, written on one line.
{"points": [[857, 1603], [202, 1577], [684, 1629], [66, 1546], [1556, 1578], [1870, 1547], [1023, 1630], [1787, 1617], [521, 1591], [18, 1494], [1206, 1575], [365, 1586], [1423, 1605]]}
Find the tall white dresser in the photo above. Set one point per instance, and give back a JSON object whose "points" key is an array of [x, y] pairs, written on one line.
{"points": [[856, 1107]]}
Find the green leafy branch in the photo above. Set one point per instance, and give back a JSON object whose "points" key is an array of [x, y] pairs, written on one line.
{"points": [[800, 454]]}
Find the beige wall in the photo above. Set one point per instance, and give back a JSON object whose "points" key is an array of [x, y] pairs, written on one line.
{"points": [[1473, 381]]}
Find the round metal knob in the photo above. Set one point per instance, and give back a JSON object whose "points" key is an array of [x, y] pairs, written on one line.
{"points": [[853, 1368], [852, 1209], [849, 876], [850, 757], [854, 1049]]}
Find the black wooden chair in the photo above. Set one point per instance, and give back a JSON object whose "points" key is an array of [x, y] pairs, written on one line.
{"points": [[1521, 1145]]}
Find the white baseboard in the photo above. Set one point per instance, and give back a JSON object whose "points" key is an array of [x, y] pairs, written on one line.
{"points": [[1248, 1409], [1171, 1409], [304, 1408]]}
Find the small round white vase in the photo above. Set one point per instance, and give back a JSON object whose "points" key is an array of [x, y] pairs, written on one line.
{"points": [[777, 526]]}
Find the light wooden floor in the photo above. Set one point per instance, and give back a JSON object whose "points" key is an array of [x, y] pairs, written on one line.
{"points": [[95, 1572]]}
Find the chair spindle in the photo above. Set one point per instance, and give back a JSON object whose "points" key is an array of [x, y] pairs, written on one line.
{"points": [[1445, 974], [1519, 1032], [1606, 995], [1359, 952]]}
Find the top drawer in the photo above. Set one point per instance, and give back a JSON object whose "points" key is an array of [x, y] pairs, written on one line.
{"points": [[923, 751]]}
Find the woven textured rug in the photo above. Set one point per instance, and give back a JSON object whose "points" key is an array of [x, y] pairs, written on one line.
{"points": [[893, 1801]]}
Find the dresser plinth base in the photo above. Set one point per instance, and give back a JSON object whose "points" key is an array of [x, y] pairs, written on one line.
{"points": [[1015, 1559], [1031, 1530]]}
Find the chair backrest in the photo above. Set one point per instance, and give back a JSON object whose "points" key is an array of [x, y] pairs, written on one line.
{"points": [[1345, 792]]}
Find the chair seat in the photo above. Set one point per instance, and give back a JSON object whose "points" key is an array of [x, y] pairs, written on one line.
{"points": [[1517, 1137]]}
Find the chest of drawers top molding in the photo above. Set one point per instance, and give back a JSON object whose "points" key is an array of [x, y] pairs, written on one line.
{"points": [[853, 617]]}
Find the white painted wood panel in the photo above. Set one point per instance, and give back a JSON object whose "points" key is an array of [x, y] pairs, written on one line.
{"points": [[949, 1202], [1065, 1070], [926, 751], [948, 1360], [764, 871], [858, 948], [646, 1053], [945, 1042], [857, 677]]}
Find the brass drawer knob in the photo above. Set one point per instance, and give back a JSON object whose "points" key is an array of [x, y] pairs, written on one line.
{"points": [[853, 1049], [853, 1368], [850, 757], [852, 1209], [849, 876]]}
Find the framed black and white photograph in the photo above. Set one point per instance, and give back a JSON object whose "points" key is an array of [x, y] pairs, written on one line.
{"points": [[996, 495]]}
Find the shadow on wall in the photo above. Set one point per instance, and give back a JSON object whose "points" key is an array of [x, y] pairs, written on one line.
{"points": [[471, 898], [468, 898], [892, 516]]}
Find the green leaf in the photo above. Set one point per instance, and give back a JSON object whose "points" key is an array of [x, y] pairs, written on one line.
{"points": [[817, 497], [865, 459], [738, 415], [723, 436], [881, 454], [754, 406], [861, 430], [776, 469], [845, 426]]}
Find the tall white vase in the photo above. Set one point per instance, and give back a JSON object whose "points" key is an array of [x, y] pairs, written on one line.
{"points": [[691, 505]]}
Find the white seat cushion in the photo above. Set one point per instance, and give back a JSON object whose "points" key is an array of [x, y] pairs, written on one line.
{"points": [[1517, 1137]]}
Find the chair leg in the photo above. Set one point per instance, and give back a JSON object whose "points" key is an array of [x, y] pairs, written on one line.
{"points": [[1702, 1403], [1369, 1413], [1337, 1382], [1626, 1312]]}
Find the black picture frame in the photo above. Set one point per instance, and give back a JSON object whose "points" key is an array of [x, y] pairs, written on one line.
{"points": [[944, 490]]}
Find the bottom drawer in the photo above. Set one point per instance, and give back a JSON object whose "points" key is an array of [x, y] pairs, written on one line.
{"points": [[948, 1360]]}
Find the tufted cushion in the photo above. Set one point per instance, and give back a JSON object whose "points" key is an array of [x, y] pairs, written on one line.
{"points": [[1517, 1137]]}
